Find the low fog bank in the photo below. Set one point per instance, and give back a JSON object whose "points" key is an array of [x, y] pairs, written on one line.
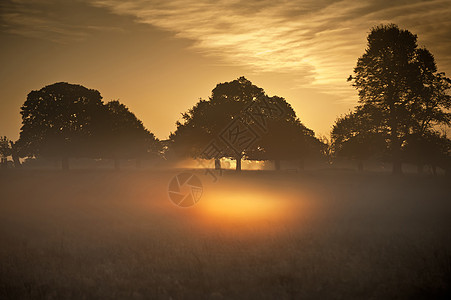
{"points": [[310, 234]]}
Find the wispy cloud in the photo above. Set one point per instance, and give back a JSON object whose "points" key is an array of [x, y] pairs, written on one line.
{"points": [[54, 20], [316, 41]]}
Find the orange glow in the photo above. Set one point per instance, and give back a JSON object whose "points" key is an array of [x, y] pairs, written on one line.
{"points": [[239, 206]]}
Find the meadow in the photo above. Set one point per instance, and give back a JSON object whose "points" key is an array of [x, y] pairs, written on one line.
{"points": [[100, 234]]}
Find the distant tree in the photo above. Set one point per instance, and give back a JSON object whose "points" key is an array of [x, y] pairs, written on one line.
{"points": [[61, 120], [15, 153], [126, 137], [327, 147], [358, 135], [401, 83], [5, 151], [193, 133], [280, 137], [285, 137], [431, 148], [204, 122]]}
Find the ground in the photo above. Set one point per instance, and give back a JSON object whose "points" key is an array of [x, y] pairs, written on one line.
{"points": [[259, 234]]}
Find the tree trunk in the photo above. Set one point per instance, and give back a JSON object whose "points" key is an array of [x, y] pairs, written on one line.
{"points": [[15, 155], [395, 141], [65, 163], [217, 164], [396, 152], [277, 164], [16, 161], [360, 166], [3, 163], [238, 163], [117, 164]]}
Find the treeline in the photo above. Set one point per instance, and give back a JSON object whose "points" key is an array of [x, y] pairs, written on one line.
{"points": [[402, 101], [70, 121]]}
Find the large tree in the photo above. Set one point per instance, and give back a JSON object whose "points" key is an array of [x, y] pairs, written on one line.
{"points": [[126, 137], [400, 81], [240, 121], [203, 123], [61, 120], [284, 136], [67, 120]]}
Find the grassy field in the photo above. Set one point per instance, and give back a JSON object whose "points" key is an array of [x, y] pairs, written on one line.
{"points": [[313, 235]]}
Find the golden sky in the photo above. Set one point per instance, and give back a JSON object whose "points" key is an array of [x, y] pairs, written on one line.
{"points": [[160, 56]]}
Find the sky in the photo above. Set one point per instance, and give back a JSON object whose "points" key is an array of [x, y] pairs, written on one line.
{"points": [[159, 57]]}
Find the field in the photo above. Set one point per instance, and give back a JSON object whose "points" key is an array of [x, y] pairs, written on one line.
{"points": [[312, 235]]}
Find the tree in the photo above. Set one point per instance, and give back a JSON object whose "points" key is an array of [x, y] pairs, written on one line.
{"points": [[358, 135], [61, 120], [401, 83], [430, 148], [5, 151], [285, 137], [236, 113], [126, 136], [15, 153], [204, 122]]}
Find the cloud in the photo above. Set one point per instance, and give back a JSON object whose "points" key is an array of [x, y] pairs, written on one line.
{"points": [[54, 20], [317, 42]]}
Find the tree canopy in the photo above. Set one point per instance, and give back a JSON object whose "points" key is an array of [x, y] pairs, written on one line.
{"points": [[126, 136], [61, 119], [401, 83], [241, 121], [68, 120], [358, 135]]}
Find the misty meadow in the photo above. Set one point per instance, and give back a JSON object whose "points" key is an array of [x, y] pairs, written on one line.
{"points": [[240, 198]]}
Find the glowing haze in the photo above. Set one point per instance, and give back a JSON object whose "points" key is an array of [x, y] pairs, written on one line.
{"points": [[159, 57]]}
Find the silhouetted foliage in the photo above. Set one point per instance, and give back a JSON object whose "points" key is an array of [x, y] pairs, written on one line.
{"points": [[126, 136], [401, 84], [5, 151], [283, 135], [67, 120], [61, 120], [430, 148], [15, 153], [286, 138], [359, 135]]}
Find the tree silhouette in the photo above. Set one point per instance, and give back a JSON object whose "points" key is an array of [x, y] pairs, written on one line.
{"points": [[358, 135], [284, 136], [61, 120], [67, 120], [430, 148], [126, 136], [235, 113], [204, 122], [401, 83], [15, 153], [5, 151]]}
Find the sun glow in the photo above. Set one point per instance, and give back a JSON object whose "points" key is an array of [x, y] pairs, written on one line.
{"points": [[249, 206]]}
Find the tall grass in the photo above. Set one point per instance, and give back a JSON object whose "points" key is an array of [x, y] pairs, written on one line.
{"points": [[105, 235]]}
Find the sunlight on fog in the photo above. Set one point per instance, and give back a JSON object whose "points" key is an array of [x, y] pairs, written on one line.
{"points": [[226, 163], [255, 206]]}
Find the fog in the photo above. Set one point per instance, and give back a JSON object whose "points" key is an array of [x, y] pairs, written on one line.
{"points": [[316, 233]]}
